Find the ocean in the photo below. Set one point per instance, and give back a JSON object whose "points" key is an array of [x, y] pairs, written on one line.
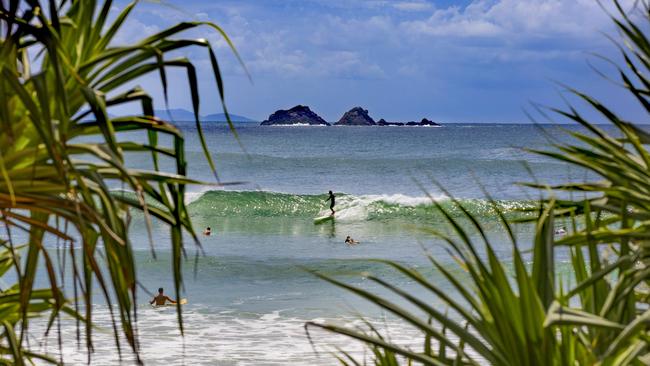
{"points": [[251, 291]]}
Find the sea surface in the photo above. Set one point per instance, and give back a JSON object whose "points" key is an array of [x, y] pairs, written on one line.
{"points": [[251, 291]]}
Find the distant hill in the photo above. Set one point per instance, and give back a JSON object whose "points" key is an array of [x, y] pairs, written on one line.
{"points": [[180, 114], [177, 114], [222, 117]]}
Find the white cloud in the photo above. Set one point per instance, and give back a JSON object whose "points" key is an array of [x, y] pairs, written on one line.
{"points": [[382, 38], [340, 32], [270, 54], [347, 64], [300, 50], [409, 70], [412, 5], [202, 16], [277, 58], [452, 22], [134, 30], [515, 19], [413, 51]]}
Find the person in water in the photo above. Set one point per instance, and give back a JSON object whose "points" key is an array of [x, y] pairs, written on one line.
{"points": [[207, 231], [161, 298], [331, 198], [350, 241]]}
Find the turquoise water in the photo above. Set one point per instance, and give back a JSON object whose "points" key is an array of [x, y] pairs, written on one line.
{"points": [[386, 161], [250, 292]]}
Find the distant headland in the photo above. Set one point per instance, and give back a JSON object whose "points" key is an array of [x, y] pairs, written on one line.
{"points": [[301, 115], [179, 114]]}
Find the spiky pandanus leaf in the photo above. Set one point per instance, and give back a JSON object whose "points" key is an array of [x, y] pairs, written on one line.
{"points": [[60, 70], [531, 317]]}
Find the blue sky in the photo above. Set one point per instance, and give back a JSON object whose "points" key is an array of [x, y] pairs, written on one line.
{"points": [[450, 61]]}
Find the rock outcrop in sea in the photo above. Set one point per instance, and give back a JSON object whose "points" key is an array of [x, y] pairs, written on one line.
{"points": [[356, 116], [424, 122], [382, 122], [428, 122], [298, 115]]}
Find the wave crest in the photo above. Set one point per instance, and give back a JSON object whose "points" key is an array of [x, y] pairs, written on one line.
{"points": [[349, 208]]}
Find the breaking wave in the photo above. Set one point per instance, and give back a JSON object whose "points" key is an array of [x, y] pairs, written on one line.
{"points": [[253, 204]]}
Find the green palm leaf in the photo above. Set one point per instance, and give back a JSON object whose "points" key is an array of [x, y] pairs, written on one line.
{"points": [[532, 317], [50, 177]]}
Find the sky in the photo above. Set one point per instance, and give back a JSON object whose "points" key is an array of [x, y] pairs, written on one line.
{"points": [[450, 61]]}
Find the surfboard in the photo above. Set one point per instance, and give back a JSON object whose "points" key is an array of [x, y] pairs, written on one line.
{"points": [[323, 219], [182, 302]]}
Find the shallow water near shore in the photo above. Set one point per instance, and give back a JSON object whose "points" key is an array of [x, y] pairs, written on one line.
{"points": [[250, 291]]}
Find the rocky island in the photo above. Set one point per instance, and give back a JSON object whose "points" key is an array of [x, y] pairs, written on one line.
{"points": [[356, 116], [301, 115], [382, 122], [423, 122], [298, 115]]}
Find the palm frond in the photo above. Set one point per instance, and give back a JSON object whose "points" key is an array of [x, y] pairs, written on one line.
{"points": [[51, 105]]}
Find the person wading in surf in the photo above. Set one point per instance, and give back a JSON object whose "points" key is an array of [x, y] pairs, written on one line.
{"points": [[350, 241], [161, 298], [331, 198]]}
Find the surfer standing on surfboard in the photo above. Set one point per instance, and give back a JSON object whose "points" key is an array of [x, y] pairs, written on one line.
{"points": [[331, 198], [161, 298]]}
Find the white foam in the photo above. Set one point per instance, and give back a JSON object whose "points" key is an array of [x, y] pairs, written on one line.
{"points": [[189, 196], [219, 337], [299, 125], [358, 208], [196, 194], [404, 200]]}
